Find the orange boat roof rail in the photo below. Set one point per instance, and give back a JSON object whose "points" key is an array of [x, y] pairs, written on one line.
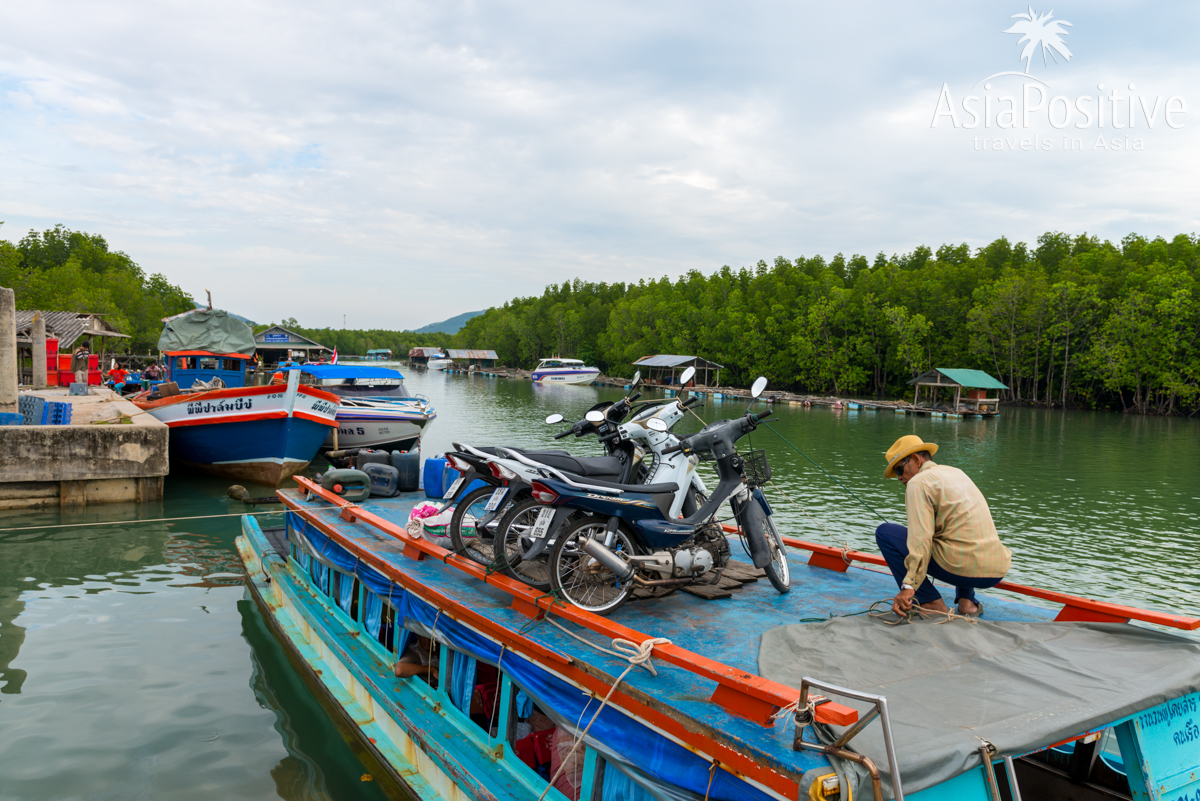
{"points": [[739, 693], [1074, 608]]}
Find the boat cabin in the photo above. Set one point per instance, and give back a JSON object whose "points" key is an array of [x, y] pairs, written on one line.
{"points": [[353, 381], [187, 367]]}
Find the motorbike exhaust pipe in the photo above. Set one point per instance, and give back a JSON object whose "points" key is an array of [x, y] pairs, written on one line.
{"points": [[604, 556]]}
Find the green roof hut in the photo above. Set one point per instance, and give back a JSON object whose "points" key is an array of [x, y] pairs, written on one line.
{"points": [[976, 382]]}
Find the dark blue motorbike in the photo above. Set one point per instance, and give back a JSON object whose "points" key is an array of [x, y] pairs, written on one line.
{"points": [[628, 541]]}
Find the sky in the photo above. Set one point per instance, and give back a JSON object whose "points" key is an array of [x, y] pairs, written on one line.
{"points": [[392, 164]]}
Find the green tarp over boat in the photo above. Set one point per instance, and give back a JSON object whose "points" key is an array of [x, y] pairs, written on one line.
{"points": [[211, 330]]}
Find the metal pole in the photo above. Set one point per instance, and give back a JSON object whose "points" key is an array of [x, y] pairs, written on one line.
{"points": [[8, 351], [1011, 769]]}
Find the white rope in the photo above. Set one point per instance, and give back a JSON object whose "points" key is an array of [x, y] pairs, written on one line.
{"points": [[591, 644], [637, 655]]}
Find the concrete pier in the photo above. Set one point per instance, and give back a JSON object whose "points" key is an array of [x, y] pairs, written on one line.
{"points": [[111, 452]]}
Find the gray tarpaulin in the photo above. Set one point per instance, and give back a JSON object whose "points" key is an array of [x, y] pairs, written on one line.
{"points": [[212, 330], [1020, 686]]}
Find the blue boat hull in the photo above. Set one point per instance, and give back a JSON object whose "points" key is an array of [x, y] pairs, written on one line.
{"points": [[259, 451]]}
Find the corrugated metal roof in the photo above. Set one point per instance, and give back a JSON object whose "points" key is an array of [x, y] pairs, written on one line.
{"points": [[459, 353], [422, 352], [975, 379], [667, 360], [279, 337], [68, 327]]}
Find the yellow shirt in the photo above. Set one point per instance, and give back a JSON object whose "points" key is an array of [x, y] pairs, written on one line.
{"points": [[949, 520]]}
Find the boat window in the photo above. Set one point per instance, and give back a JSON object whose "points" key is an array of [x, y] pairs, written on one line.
{"points": [[182, 363], [233, 365], [417, 649], [379, 620], [616, 786], [344, 591], [532, 734], [320, 575], [210, 364]]}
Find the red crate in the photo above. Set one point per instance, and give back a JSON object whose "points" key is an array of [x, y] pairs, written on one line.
{"points": [[51, 378], [64, 361], [51, 347], [94, 378], [94, 362], [65, 378]]}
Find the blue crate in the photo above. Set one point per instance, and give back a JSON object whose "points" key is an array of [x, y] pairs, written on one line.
{"points": [[33, 409], [11, 419], [58, 413]]}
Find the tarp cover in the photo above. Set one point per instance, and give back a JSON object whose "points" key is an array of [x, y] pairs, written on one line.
{"points": [[345, 371], [1020, 686], [212, 330]]}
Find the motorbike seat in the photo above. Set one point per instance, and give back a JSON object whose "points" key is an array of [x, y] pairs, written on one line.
{"points": [[645, 489], [494, 451], [598, 466]]}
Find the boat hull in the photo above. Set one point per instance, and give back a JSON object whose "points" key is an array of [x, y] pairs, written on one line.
{"points": [[574, 377], [255, 434], [384, 435]]}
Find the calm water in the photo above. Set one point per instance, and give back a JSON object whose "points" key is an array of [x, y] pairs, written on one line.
{"points": [[131, 668]]}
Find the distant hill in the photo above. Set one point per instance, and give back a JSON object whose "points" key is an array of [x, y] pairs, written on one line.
{"points": [[450, 326]]}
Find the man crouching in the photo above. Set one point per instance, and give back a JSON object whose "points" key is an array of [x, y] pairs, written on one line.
{"points": [[950, 534]]}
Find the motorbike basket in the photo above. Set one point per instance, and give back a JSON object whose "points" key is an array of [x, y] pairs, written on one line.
{"points": [[758, 472]]}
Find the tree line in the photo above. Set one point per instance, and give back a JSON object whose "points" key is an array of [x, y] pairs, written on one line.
{"points": [[357, 341], [1072, 322], [63, 270]]}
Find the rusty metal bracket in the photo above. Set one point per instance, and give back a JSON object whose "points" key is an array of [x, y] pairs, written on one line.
{"points": [[805, 717]]}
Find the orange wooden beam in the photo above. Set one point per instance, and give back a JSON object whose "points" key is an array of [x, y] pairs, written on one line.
{"points": [[1074, 607]]}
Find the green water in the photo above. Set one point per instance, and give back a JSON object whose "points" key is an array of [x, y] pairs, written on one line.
{"points": [[129, 670]]}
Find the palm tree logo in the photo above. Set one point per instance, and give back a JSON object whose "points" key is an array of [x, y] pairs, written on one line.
{"points": [[1037, 31], [1041, 30]]}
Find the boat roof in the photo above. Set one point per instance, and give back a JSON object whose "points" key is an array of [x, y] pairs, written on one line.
{"points": [[558, 359], [345, 371]]}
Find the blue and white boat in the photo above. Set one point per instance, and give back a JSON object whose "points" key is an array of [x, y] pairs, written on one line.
{"points": [[218, 424], [376, 411], [563, 371], [674, 697]]}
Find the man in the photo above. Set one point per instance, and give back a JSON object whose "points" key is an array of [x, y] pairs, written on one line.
{"points": [[950, 534], [79, 363], [420, 658]]}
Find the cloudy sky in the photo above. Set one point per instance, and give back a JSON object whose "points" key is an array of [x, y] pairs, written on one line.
{"points": [[402, 162]]}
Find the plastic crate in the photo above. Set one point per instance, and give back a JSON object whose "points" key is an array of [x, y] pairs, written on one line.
{"points": [[94, 379], [52, 347], [11, 419], [32, 409], [65, 378], [58, 413], [757, 470], [94, 362], [51, 378], [64, 362]]}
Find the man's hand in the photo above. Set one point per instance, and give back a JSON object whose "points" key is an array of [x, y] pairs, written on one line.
{"points": [[903, 602]]}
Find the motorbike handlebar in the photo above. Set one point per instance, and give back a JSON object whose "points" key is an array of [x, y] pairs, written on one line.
{"points": [[758, 418], [633, 397], [563, 434], [692, 401]]}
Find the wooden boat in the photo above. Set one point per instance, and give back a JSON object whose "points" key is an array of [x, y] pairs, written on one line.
{"points": [[347, 588]]}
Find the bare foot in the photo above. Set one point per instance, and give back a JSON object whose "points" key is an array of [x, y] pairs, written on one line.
{"points": [[936, 606], [966, 607]]}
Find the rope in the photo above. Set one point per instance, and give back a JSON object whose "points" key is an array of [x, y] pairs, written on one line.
{"points": [[831, 478], [712, 771], [637, 655], [918, 612], [149, 520]]}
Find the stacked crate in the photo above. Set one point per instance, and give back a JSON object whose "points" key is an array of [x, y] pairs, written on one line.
{"points": [[65, 376], [52, 361], [32, 409], [57, 413]]}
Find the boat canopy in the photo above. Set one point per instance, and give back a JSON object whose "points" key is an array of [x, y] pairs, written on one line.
{"points": [[352, 372], [209, 330]]}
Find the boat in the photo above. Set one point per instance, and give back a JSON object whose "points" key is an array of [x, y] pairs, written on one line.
{"points": [[664, 698], [260, 434], [563, 371], [440, 364], [376, 411]]}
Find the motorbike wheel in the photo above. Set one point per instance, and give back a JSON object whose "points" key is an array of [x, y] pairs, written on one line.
{"points": [[515, 541], [476, 542], [579, 578], [777, 571]]}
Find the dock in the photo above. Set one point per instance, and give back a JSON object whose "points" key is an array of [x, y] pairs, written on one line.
{"points": [[109, 452]]}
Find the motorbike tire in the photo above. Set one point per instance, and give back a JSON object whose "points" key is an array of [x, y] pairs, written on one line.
{"points": [[578, 579], [778, 571], [479, 546], [513, 542]]}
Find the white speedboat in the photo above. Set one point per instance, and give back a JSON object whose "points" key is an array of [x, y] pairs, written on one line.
{"points": [[440, 364], [563, 371], [376, 409]]}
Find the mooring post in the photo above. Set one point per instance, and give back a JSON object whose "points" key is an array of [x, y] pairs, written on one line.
{"points": [[38, 335], [8, 352]]}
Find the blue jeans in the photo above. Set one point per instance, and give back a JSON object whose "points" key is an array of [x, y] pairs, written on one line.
{"points": [[892, 540]]}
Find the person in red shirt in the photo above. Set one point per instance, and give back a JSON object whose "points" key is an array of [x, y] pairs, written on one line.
{"points": [[116, 378]]}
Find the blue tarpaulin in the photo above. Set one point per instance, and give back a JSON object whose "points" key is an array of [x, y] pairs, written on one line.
{"points": [[345, 371]]}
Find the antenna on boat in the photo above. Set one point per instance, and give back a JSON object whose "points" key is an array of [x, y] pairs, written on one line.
{"points": [[209, 293]]}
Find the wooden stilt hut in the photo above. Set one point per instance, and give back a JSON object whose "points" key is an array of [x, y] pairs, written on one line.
{"points": [[976, 382]]}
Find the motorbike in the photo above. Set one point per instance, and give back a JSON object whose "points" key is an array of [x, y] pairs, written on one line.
{"points": [[629, 540], [475, 523], [529, 530]]}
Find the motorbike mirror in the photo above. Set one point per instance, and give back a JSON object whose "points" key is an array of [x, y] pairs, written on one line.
{"points": [[654, 424], [554, 418], [687, 376], [594, 416], [759, 385], [637, 379]]}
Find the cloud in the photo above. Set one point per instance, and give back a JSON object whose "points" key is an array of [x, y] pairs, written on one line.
{"points": [[402, 163]]}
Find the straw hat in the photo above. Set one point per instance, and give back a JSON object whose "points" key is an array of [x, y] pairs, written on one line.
{"points": [[906, 446]]}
